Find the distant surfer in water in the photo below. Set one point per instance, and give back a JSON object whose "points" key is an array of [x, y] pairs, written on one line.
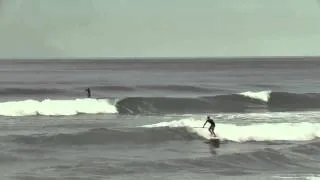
{"points": [[88, 92], [212, 126]]}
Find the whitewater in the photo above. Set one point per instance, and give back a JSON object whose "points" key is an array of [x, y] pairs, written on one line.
{"points": [[49, 107]]}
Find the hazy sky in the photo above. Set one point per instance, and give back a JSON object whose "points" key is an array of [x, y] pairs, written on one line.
{"points": [[153, 28]]}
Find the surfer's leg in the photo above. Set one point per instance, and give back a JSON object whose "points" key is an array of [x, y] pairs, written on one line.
{"points": [[213, 130], [210, 130]]}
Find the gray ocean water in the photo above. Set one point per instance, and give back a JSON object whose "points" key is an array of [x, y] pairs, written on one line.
{"points": [[144, 119]]}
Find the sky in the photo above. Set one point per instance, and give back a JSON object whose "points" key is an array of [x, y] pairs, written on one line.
{"points": [[158, 28]]}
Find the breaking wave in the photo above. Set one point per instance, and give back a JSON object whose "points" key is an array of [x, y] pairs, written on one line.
{"points": [[56, 107], [253, 132], [242, 102], [263, 101]]}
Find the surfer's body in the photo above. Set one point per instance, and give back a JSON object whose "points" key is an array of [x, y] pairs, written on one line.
{"points": [[88, 92], [212, 125]]}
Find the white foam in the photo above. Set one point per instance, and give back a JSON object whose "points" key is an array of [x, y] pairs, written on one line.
{"points": [[298, 177], [261, 95], [56, 107], [258, 131], [313, 178]]}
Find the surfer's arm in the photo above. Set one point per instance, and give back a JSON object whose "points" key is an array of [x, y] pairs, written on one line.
{"points": [[205, 124]]}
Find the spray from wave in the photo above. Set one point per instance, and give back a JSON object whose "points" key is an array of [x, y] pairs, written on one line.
{"points": [[253, 132], [56, 107], [262, 95]]}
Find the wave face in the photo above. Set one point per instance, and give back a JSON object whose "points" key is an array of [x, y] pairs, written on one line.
{"points": [[253, 132], [243, 102], [56, 107], [291, 101]]}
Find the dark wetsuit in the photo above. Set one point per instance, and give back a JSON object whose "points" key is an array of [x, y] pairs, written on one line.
{"points": [[212, 126], [88, 92]]}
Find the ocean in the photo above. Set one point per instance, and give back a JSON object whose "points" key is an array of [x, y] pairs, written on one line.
{"points": [[145, 117]]}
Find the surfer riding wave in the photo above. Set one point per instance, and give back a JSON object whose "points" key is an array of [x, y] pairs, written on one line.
{"points": [[212, 126]]}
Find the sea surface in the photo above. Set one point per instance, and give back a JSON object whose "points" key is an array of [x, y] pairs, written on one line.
{"points": [[145, 117]]}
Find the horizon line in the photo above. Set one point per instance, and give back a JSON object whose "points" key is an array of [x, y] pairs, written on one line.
{"points": [[164, 58]]}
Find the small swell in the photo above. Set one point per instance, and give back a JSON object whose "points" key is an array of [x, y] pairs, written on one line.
{"points": [[171, 88], [25, 91], [109, 136], [179, 88], [292, 101], [113, 88]]}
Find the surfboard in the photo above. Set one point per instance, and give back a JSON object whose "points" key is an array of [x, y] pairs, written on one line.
{"points": [[215, 141]]}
